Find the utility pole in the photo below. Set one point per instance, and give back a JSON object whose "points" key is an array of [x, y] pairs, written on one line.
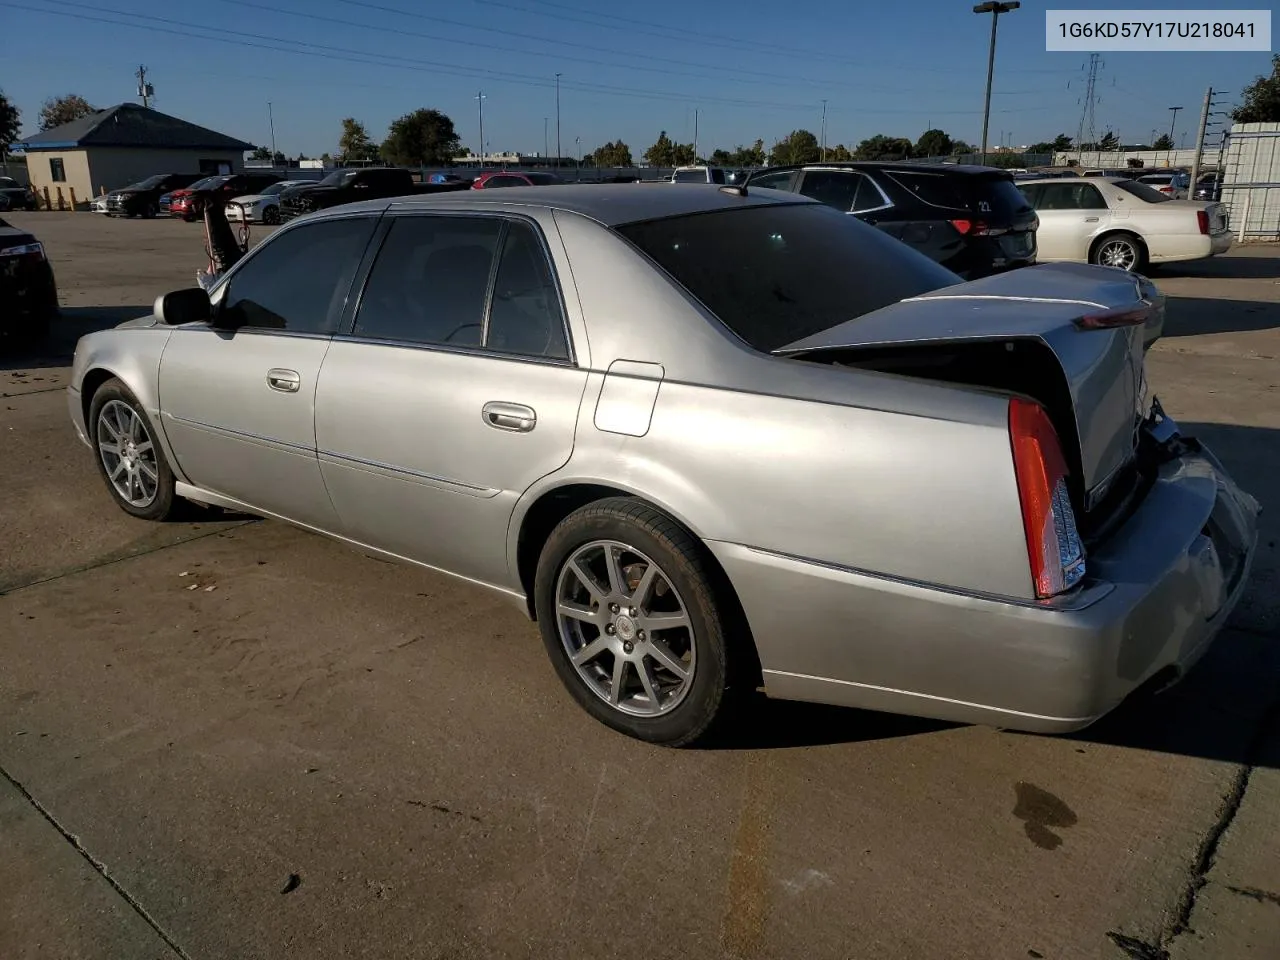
{"points": [[558, 120], [824, 130], [995, 9], [480, 100], [546, 148], [695, 134], [1204, 122], [271, 119], [145, 90]]}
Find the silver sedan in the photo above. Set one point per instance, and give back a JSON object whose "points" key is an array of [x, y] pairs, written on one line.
{"points": [[711, 439]]}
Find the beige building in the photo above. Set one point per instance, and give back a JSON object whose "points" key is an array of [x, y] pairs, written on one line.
{"points": [[122, 145]]}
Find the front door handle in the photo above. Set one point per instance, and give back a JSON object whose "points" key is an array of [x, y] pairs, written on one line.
{"points": [[1090, 219], [509, 416], [286, 381]]}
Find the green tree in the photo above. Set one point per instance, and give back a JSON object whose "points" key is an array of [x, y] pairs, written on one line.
{"points": [[261, 153], [354, 144], [881, 147], [799, 146], [422, 138], [662, 153], [56, 111], [839, 153], [1260, 101], [683, 155], [721, 158], [959, 148], [1109, 142], [1164, 143], [10, 123], [612, 154], [933, 143], [1062, 143]]}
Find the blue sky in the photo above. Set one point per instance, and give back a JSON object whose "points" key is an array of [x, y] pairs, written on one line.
{"points": [[753, 69]]}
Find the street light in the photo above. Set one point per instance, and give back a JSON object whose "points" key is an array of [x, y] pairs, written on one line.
{"points": [[546, 143], [558, 154], [824, 131], [995, 9], [480, 98]]}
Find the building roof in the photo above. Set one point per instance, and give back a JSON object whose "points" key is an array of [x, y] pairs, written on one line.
{"points": [[611, 204], [132, 125]]}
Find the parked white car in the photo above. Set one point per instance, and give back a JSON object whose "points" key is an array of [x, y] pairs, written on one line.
{"points": [[698, 174], [261, 207], [1115, 222], [98, 204]]}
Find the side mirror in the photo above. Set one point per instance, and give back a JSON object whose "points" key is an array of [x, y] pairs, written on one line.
{"points": [[183, 306]]}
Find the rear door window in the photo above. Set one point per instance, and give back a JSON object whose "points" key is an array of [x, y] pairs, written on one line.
{"points": [[935, 189], [778, 180], [835, 188], [1070, 196]]}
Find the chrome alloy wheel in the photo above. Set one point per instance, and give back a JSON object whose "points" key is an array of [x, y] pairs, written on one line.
{"points": [[625, 629], [1118, 253], [128, 454]]}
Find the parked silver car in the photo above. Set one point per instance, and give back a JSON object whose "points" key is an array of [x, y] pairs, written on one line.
{"points": [[710, 439]]}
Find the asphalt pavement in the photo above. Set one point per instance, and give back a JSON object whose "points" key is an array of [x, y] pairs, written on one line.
{"points": [[228, 738]]}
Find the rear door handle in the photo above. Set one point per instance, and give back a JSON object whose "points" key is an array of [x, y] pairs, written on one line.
{"points": [[1090, 219], [286, 381], [509, 416]]}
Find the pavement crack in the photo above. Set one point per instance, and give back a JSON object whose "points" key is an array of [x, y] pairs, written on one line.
{"points": [[97, 864], [1253, 893], [122, 556]]}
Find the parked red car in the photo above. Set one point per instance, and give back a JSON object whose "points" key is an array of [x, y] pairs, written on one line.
{"points": [[507, 178], [185, 204]]}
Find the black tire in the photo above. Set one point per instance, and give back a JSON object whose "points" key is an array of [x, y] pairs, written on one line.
{"points": [[686, 568], [150, 210], [165, 503], [271, 216], [1110, 240]]}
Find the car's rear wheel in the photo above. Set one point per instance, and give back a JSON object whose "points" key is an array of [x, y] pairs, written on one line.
{"points": [[1122, 250], [630, 618], [271, 216], [129, 456], [150, 210]]}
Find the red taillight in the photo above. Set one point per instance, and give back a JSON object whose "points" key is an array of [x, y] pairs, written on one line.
{"points": [[1048, 520], [1202, 218], [1122, 317], [970, 228]]}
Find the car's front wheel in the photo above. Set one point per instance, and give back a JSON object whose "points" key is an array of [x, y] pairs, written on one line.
{"points": [[271, 216], [128, 454], [632, 622]]}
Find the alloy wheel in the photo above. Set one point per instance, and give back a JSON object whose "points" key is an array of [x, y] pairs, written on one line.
{"points": [[625, 628], [128, 454], [1118, 253]]}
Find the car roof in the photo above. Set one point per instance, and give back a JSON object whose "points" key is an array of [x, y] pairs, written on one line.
{"points": [[906, 166], [611, 204], [1107, 179]]}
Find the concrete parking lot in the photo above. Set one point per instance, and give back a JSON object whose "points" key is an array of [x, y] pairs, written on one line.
{"points": [[231, 738]]}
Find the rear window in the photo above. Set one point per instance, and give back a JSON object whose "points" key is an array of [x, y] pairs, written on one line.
{"points": [[690, 176], [995, 197], [776, 274], [1142, 191], [543, 179], [935, 189]]}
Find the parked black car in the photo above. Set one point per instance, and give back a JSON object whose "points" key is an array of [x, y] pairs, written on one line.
{"points": [[970, 219], [15, 196], [1208, 187], [358, 183], [142, 199], [28, 292]]}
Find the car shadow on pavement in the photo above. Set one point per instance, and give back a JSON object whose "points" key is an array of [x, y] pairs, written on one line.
{"points": [[1222, 268], [68, 327], [1193, 316]]}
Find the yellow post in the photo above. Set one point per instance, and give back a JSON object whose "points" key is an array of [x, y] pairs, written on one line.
{"points": [[73, 197], [59, 189], [47, 204]]}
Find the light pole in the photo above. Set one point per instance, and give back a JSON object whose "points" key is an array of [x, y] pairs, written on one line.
{"points": [[480, 100], [995, 9], [558, 121], [546, 143], [271, 119], [578, 142], [824, 130]]}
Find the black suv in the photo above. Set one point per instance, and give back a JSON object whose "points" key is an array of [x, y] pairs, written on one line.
{"points": [[972, 220], [142, 199]]}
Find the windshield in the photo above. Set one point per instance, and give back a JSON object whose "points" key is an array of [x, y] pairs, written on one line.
{"points": [[337, 178], [147, 184], [774, 274], [543, 178], [275, 188], [1142, 191]]}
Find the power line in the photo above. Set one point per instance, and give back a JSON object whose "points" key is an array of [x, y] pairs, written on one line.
{"points": [[715, 40], [372, 58]]}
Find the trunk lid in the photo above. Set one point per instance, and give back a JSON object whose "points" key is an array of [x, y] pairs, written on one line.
{"points": [[1102, 370]]}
